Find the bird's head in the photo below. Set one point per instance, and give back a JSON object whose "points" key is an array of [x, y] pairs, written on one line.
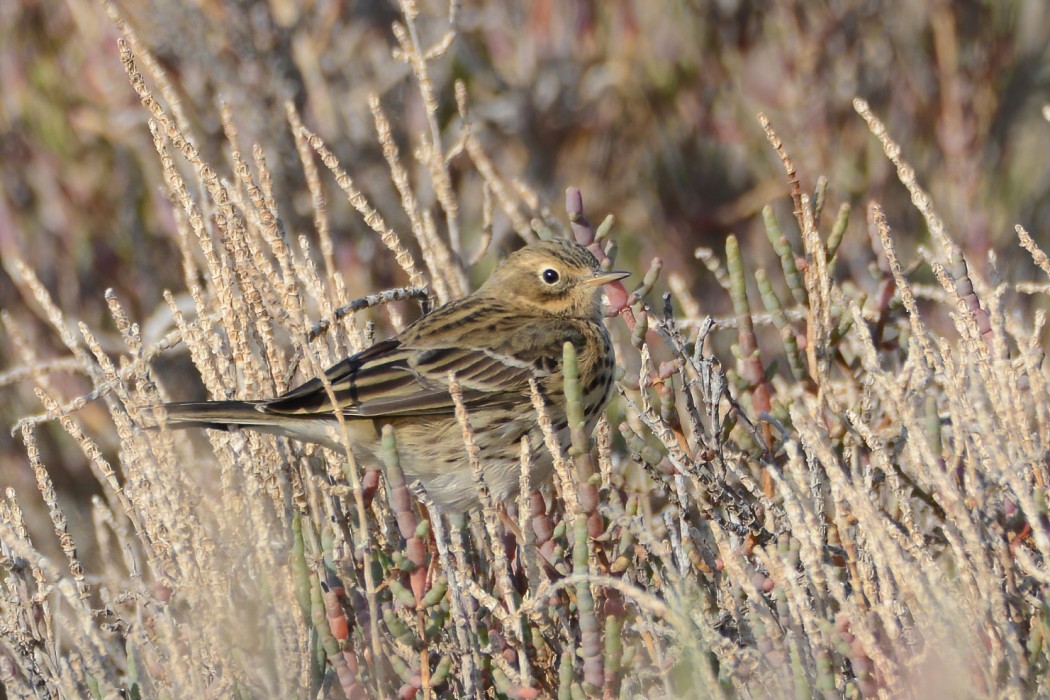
{"points": [[556, 277]]}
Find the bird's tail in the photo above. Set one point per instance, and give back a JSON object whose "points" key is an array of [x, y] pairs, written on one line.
{"points": [[224, 415], [217, 415]]}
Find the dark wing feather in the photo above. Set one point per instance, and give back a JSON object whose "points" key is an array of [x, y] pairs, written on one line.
{"points": [[389, 380], [311, 396]]}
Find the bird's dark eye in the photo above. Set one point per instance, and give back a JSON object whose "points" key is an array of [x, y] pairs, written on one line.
{"points": [[550, 276]]}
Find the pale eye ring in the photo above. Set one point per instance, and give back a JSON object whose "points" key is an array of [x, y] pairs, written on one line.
{"points": [[550, 276]]}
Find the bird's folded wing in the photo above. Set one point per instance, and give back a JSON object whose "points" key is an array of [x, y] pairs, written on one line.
{"points": [[391, 380]]}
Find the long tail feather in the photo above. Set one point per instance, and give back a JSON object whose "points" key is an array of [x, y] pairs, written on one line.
{"points": [[218, 415], [224, 415]]}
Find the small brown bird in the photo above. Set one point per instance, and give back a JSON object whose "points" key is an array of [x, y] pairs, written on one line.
{"points": [[511, 329]]}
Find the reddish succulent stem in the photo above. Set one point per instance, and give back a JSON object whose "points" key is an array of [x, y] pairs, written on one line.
{"points": [[584, 232]]}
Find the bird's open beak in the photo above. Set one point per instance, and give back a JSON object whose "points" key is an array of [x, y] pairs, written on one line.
{"points": [[606, 277]]}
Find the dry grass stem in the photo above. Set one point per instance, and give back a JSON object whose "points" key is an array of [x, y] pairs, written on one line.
{"points": [[840, 492]]}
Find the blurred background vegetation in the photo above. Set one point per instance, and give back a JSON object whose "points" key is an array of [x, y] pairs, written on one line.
{"points": [[648, 107]]}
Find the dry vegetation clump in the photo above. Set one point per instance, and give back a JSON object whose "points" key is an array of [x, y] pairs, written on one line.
{"points": [[838, 492]]}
